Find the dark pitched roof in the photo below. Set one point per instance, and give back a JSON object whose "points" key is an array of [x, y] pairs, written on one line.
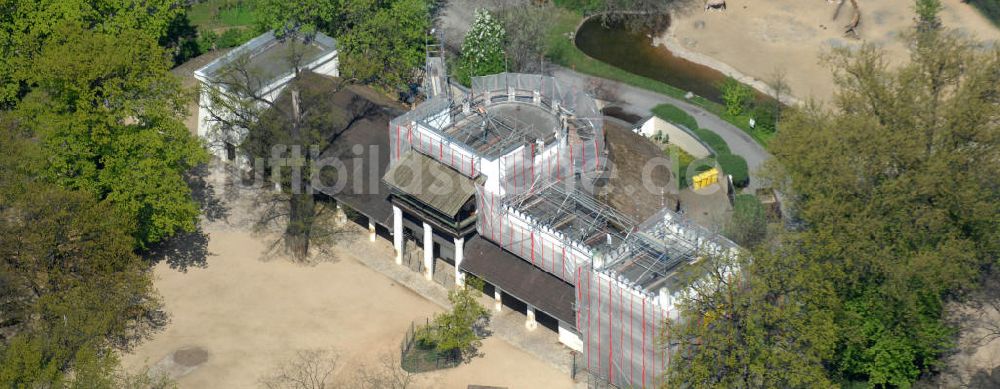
{"points": [[520, 279], [430, 182], [370, 195]]}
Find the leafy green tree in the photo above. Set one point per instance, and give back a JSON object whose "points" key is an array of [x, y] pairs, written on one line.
{"points": [[897, 188], [80, 289], [748, 225], [483, 48], [386, 45], [110, 123], [27, 27], [736, 95], [303, 18], [927, 14], [752, 323], [455, 330]]}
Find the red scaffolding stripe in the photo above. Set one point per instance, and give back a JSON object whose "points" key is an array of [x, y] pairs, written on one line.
{"points": [[532, 162], [589, 325], [611, 333], [441, 149], [579, 300], [564, 261], [600, 313], [501, 230], [597, 155], [570, 160], [531, 234]]}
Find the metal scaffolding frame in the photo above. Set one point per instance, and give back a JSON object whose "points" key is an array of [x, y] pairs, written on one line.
{"points": [[623, 271]]}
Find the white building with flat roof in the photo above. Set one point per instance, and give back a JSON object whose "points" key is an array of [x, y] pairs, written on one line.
{"points": [[270, 64]]}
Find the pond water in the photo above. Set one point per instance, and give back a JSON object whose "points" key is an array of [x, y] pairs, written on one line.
{"points": [[634, 52]]}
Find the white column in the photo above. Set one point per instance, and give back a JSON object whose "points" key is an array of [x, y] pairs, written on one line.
{"points": [[459, 256], [498, 304], [371, 231], [569, 338], [530, 322], [397, 233], [428, 252]]}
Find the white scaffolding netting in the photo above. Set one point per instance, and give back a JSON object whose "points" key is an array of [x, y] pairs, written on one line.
{"points": [[523, 235], [623, 331]]}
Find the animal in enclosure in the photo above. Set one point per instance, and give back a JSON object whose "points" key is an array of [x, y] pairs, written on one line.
{"points": [[852, 27], [719, 5]]}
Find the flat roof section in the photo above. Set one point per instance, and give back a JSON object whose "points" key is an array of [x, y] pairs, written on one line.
{"points": [[269, 58]]}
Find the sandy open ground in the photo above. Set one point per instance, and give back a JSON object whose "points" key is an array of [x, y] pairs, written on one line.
{"points": [[758, 38], [249, 314]]}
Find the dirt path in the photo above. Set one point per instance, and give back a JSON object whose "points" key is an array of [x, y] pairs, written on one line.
{"points": [[235, 315]]}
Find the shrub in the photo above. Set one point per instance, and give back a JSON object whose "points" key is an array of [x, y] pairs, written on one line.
{"points": [[207, 41], [234, 37], [748, 226], [683, 161], [736, 95], [713, 140], [735, 166], [675, 115], [766, 116], [455, 330]]}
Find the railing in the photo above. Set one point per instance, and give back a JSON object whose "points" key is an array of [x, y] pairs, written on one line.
{"points": [[417, 358]]}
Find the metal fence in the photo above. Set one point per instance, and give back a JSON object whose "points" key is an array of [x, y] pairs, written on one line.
{"points": [[417, 358]]}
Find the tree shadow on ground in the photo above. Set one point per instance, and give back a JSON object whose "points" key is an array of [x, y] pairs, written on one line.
{"points": [[985, 378], [213, 208], [182, 251]]}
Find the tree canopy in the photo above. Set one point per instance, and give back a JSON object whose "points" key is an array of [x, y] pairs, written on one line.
{"points": [[27, 27], [483, 48], [73, 288], [896, 193], [110, 122], [387, 45]]}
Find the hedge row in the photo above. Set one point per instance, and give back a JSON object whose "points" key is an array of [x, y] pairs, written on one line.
{"points": [[731, 164], [675, 115]]}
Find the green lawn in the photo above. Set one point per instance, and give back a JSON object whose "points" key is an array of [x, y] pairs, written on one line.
{"points": [[563, 51], [212, 15]]}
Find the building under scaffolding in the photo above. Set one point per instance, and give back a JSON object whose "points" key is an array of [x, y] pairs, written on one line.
{"points": [[520, 151]]}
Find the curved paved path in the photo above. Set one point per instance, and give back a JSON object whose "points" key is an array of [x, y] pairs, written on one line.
{"points": [[641, 102]]}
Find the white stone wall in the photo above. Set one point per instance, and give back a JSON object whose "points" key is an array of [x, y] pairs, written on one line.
{"points": [[678, 137]]}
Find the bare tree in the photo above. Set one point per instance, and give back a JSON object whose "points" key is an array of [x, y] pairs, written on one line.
{"points": [[527, 25], [387, 373], [318, 369], [286, 135], [309, 369]]}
